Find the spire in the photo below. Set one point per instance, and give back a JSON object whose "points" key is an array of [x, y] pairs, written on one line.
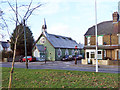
{"points": [[45, 24], [44, 27]]}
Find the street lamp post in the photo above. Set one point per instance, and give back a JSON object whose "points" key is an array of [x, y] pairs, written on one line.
{"points": [[25, 45], [96, 35]]}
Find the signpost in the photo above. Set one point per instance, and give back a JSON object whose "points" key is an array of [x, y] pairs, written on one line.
{"points": [[75, 55]]}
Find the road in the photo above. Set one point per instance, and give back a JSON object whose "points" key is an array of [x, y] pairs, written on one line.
{"points": [[64, 65]]}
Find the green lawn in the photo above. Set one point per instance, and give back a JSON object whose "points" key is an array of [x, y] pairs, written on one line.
{"points": [[38, 78]]}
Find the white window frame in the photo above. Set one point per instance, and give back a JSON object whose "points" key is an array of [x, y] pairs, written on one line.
{"points": [[100, 40], [73, 52], [88, 41], [59, 52], [66, 52], [119, 39], [99, 56], [104, 53], [118, 54]]}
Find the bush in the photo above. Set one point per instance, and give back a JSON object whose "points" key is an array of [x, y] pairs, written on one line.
{"points": [[6, 54]]}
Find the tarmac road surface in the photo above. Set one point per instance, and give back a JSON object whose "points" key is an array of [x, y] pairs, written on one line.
{"points": [[64, 65]]}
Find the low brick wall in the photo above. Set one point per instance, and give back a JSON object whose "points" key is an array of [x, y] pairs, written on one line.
{"points": [[114, 62], [4, 59], [102, 62], [84, 61]]}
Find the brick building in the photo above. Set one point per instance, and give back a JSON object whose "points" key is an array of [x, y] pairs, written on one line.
{"points": [[108, 40]]}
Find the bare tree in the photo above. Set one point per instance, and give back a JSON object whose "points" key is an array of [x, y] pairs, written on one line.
{"points": [[20, 20]]}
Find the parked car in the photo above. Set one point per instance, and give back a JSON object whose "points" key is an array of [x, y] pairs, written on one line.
{"points": [[78, 57], [70, 57], [67, 57], [29, 58]]}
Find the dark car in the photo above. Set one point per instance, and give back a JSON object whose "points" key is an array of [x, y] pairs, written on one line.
{"points": [[67, 57], [78, 57], [29, 58]]}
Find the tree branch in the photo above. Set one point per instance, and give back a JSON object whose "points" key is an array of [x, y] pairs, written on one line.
{"points": [[31, 10], [28, 9]]}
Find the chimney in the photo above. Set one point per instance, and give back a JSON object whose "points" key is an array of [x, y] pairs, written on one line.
{"points": [[116, 23], [115, 17]]}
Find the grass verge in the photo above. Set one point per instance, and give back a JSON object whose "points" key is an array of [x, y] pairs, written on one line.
{"points": [[47, 78]]}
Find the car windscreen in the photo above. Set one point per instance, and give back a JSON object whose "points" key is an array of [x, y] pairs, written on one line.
{"points": [[28, 57]]}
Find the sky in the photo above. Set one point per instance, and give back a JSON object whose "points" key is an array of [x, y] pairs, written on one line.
{"points": [[70, 18]]}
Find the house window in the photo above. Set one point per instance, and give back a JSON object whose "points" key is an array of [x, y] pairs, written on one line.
{"points": [[88, 41], [73, 52], [104, 53], [78, 51], [100, 54], [66, 52], [59, 52], [100, 40], [119, 54], [119, 39], [87, 54], [92, 54]]}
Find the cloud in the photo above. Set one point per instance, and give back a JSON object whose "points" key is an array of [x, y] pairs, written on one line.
{"points": [[60, 28]]}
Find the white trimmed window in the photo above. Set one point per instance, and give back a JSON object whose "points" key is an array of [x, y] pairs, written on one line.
{"points": [[59, 52], [119, 39], [104, 53], [88, 41], [119, 54], [66, 52], [78, 51], [99, 54], [100, 40], [73, 52]]}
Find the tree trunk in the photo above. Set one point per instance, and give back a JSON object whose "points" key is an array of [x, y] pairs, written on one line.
{"points": [[12, 68]]}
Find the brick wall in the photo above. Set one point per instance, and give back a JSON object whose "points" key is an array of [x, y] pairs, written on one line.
{"points": [[85, 38], [111, 54], [92, 40], [114, 39], [107, 40]]}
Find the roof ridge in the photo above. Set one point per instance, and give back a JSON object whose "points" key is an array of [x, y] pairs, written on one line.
{"points": [[58, 35], [102, 27]]}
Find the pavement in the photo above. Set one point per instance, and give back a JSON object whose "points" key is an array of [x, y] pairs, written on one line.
{"points": [[64, 65]]}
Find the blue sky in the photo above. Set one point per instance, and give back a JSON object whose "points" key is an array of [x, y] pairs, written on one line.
{"points": [[70, 18]]}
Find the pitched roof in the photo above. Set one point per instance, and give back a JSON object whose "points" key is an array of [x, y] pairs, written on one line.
{"points": [[104, 28], [40, 48], [58, 41]]}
